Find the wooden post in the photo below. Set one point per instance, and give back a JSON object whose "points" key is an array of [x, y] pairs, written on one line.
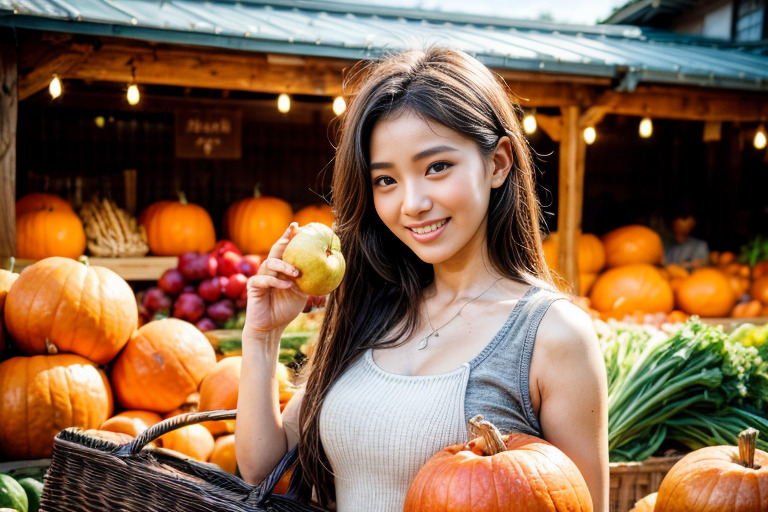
{"points": [[570, 195], [9, 86]]}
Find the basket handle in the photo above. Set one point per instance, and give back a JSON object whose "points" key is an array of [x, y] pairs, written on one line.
{"points": [[172, 423]]}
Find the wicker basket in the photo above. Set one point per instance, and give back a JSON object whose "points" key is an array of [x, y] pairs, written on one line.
{"points": [[89, 474], [631, 481]]}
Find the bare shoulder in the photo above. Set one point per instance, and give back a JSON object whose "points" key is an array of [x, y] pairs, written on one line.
{"points": [[566, 329]]}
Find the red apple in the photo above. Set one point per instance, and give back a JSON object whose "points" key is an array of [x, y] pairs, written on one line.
{"points": [[221, 310], [240, 303], [172, 281], [235, 285], [206, 324], [250, 264], [189, 307], [155, 300], [229, 263], [223, 246], [209, 289]]}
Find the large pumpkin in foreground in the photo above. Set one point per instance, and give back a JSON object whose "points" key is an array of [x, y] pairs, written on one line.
{"points": [[41, 395], [163, 362], [715, 478], [63, 305], [499, 473]]}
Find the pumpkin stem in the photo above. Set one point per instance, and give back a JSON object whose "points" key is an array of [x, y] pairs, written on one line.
{"points": [[747, 442], [84, 260], [257, 190], [182, 197], [11, 263], [493, 442], [50, 348]]}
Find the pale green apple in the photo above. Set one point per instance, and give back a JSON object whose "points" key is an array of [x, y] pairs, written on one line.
{"points": [[316, 251]]}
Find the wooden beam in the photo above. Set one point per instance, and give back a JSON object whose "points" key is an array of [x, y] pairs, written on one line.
{"points": [[8, 118], [570, 195]]}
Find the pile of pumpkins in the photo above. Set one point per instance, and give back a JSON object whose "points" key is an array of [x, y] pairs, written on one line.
{"points": [[622, 275], [77, 358], [47, 225]]}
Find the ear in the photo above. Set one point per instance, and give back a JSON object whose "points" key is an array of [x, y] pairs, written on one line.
{"points": [[502, 160]]}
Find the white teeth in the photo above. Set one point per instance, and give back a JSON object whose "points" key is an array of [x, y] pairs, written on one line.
{"points": [[430, 228]]}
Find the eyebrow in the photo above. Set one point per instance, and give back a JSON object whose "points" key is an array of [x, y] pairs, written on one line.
{"points": [[418, 156]]}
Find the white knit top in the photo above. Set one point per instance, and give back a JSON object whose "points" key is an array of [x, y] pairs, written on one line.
{"points": [[388, 417]]}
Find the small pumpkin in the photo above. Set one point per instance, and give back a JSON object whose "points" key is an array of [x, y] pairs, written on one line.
{"points": [[44, 233], [62, 305], [255, 223], [646, 504], [176, 227], [315, 213], [707, 292], [219, 390], [759, 289], [162, 363], [748, 309], [132, 422], [623, 290], [192, 440], [718, 478], [41, 201], [41, 395], [527, 473], [223, 454], [632, 244]]}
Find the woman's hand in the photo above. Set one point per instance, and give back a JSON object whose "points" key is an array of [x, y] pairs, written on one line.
{"points": [[273, 297]]}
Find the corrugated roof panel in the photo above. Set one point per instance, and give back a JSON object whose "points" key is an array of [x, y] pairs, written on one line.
{"points": [[330, 29]]}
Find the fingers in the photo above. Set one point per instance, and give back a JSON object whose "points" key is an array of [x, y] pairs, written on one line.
{"points": [[279, 247]]}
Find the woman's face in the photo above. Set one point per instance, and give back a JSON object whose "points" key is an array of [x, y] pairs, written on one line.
{"points": [[431, 186]]}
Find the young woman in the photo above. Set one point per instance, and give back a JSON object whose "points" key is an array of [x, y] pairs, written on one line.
{"points": [[446, 310]]}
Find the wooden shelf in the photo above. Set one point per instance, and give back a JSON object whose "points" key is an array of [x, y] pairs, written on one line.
{"points": [[146, 268]]}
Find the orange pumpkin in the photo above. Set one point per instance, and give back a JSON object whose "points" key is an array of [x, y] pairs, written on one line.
{"points": [[162, 363], [192, 440], [747, 309], [623, 290], [590, 255], [62, 305], [707, 292], [499, 473], [223, 454], [760, 269], [254, 224], [219, 390], [44, 233], [132, 422], [6, 280], [176, 227], [586, 281], [646, 504], [759, 289], [632, 244], [321, 213], [41, 201], [41, 395], [718, 478]]}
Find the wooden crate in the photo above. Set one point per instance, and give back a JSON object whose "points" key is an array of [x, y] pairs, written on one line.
{"points": [[631, 481]]}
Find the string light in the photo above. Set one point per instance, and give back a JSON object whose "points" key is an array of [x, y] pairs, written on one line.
{"points": [[646, 127], [760, 138], [590, 134], [529, 122], [55, 87], [133, 89], [339, 105], [284, 103]]}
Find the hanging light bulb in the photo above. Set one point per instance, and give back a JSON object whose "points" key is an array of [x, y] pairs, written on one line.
{"points": [[590, 134], [760, 138], [339, 105], [133, 94], [646, 127], [55, 87], [284, 103], [529, 122]]}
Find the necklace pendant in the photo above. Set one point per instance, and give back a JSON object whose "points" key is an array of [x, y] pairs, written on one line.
{"points": [[436, 334], [423, 344]]}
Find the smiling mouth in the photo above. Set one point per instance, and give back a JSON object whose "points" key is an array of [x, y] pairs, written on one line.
{"points": [[428, 229]]}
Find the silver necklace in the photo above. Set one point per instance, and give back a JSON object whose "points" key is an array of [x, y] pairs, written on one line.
{"points": [[425, 341]]}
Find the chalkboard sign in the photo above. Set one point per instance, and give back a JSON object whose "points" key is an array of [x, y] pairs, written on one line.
{"points": [[211, 134]]}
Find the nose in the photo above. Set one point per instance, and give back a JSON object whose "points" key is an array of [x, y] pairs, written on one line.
{"points": [[416, 198]]}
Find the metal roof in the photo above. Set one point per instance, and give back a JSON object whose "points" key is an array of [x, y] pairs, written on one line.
{"points": [[626, 53]]}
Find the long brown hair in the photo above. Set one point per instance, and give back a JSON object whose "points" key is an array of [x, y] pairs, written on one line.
{"points": [[378, 300]]}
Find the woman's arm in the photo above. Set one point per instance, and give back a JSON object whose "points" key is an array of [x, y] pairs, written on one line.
{"points": [[568, 381], [273, 301]]}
